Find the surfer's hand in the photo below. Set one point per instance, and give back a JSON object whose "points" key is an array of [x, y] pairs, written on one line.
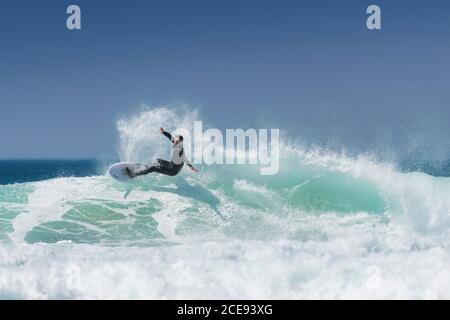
{"points": [[161, 129], [193, 169]]}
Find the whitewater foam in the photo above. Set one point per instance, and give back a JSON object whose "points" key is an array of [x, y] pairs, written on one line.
{"points": [[327, 226]]}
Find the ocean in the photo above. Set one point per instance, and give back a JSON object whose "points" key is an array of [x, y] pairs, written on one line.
{"points": [[328, 226]]}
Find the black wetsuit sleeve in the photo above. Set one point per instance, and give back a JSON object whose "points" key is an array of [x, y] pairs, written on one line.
{"points": [[187, 162], [168, 135]]}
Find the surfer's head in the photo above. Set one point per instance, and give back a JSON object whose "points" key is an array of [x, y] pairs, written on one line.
{"points": [[178, 139]]}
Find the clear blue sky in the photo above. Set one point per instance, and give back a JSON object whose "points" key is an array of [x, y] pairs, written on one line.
{"points": [[311, 67]]}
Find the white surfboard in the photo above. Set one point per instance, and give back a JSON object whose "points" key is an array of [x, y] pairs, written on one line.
{"points": [[117, 170]]}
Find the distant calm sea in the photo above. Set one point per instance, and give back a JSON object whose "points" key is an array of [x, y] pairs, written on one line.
{"points": [[19, 171], [30, 170]]}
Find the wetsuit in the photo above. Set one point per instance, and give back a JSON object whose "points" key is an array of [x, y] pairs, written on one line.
{"points": [[169, 168]]}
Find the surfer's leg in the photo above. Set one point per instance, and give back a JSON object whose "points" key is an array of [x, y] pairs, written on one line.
{"points": [[177, 169], [163, 163], [132, 174], [160, 166], [172, 170], [167, 168]]}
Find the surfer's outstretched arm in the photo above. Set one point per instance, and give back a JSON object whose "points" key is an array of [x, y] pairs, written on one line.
{"points": [[190, 165], [168, 135]]}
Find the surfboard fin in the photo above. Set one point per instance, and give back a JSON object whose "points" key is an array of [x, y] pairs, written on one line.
{"points": [[126, 194]]}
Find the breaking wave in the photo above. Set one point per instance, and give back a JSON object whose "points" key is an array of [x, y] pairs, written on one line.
{"points": [[326, 226]]}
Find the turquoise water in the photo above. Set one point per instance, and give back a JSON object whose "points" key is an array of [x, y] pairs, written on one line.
{"points": [[223, 200], [93, 209], [228, 232], [326, 226]]}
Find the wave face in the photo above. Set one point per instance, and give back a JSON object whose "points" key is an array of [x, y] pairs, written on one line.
{"points": [[327, 226]]}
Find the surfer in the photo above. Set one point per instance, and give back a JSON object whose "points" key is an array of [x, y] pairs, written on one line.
{"points": [[170, 168]]}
